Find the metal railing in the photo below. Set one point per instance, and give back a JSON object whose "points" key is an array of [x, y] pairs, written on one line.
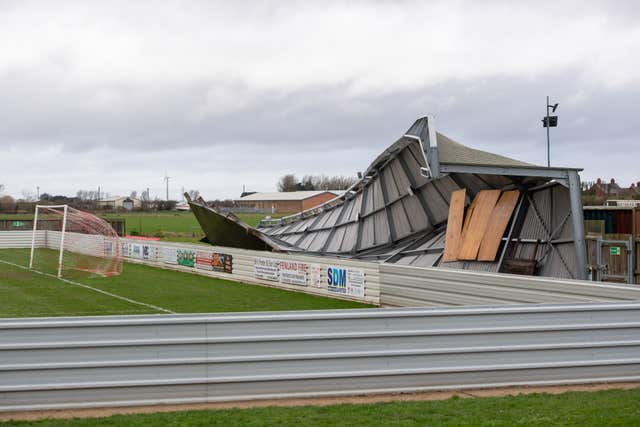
{"points": [[162, 359]]}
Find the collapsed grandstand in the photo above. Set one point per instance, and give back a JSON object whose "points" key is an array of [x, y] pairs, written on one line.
{"points": [[429, 201]]}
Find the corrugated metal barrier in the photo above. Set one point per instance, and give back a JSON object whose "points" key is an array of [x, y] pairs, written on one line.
{"points": [[21, 239], [406, 286], [156, 359]]}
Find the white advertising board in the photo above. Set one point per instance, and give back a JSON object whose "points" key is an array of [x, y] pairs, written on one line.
{"points": [[347, 281], [266, 269], [316, 275], [170, 255], [149, 252]]}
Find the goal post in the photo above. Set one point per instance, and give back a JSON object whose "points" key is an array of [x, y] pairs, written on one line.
{"points": [[65, 239]]}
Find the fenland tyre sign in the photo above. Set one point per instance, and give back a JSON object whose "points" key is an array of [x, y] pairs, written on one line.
{"points": [[293, 273], [347, 281]]}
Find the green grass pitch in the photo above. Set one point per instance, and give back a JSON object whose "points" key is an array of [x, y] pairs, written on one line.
{"points": [[27, 294], [602, 408]]}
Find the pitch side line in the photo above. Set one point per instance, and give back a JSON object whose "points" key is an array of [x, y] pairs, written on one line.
{"points": [[129, 300]]}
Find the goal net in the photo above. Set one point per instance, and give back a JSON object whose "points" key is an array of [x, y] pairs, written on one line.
{"points": [[67, 239]]}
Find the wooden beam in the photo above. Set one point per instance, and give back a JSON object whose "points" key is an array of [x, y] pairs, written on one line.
{"points": [[454, 225], [497, 225], [476, 224]]}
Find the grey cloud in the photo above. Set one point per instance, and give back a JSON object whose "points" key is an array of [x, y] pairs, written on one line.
{"points": [[497, 111], [316, 127]]}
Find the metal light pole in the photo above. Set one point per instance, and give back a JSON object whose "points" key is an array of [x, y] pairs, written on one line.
{"points": [[550, 122], [166, 178], [548, 139]]}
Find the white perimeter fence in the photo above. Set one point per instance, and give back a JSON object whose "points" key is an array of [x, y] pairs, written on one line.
{"points": [[385, 284]]}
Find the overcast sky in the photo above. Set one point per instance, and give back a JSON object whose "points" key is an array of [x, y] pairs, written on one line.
{"points": [[224, 94]]}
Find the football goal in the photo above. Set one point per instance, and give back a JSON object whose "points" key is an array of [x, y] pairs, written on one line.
{"points": [[71, 239]]}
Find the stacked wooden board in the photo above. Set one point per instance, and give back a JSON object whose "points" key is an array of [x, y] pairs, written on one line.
{"points": [[476, 236]]}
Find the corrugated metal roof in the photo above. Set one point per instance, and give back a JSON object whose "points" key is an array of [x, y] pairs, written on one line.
{"points": [[395, 214]]}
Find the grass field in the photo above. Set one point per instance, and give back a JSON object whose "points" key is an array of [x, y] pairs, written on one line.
{"points": [[601, 408], [171, 226], [27, 294]]}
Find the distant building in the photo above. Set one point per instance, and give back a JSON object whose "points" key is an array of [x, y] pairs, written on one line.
{"points": [[634, 190], [127, 203], [285, 202], [184, 206], [604, 190]]}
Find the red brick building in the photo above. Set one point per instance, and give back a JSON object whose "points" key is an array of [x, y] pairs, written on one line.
{"points": [[286, 202], [604, 190]]}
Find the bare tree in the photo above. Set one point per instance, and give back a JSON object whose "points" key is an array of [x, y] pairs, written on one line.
{"points": [[315, 182], [87, 195], [134, 194], [288, 182], [340, 182]]}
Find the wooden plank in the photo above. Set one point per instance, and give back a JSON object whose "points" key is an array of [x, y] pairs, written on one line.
{"points": [[477, 224], [454, 225], [467, 218], [497, 225]]}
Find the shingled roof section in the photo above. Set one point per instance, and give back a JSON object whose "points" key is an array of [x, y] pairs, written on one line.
{"points": [[452, 152]]}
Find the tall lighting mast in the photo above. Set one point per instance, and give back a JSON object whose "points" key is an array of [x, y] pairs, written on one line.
{"points": [[166, 180], [550, 122]]}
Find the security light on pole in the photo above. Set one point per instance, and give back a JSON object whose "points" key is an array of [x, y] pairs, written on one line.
{"points": [[550, 122]]}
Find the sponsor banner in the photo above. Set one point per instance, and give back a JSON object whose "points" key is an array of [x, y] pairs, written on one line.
{"points": [[149, 252], [170, 255], [355, 283], [316, 275], [108, 248], [346, 281], [222, 263], [266, 269], [135, 251], [203, 260], [293, 273], [186, 257]]}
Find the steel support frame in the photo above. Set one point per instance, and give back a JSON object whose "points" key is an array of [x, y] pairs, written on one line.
{"points": [[577, 219], [566, 176], [527, 171]]}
